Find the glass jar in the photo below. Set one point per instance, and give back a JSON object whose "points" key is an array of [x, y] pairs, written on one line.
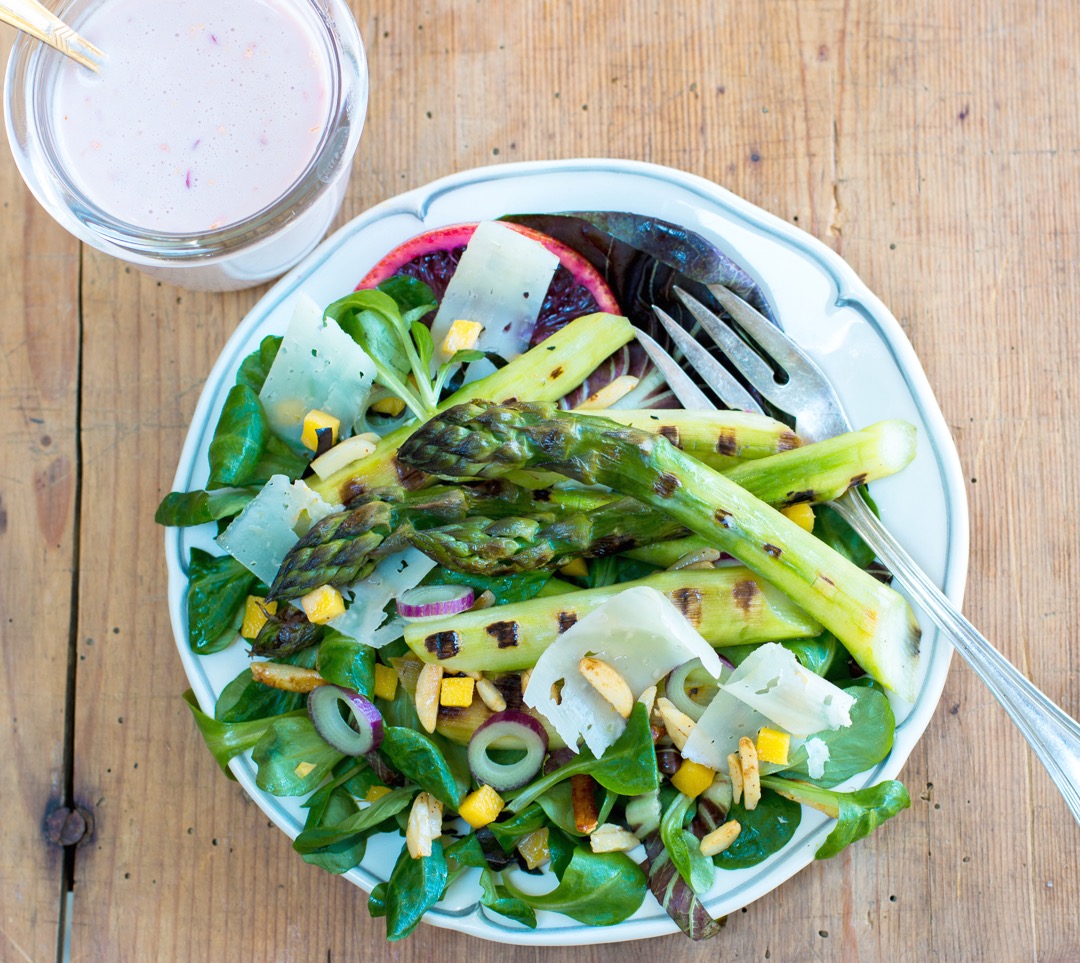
{"points": [[253, 247]]}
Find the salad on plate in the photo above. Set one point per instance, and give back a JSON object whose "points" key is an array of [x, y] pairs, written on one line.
{"points": [[505, 601]]}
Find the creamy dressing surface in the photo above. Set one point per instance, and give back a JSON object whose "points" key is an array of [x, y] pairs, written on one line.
{"points": [[206, 111]]}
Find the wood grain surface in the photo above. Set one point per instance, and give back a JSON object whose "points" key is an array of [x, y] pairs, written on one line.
{"points": [[934, 145]]}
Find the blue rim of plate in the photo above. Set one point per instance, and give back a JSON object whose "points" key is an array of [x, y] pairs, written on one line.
{"points": [[850, 292]]}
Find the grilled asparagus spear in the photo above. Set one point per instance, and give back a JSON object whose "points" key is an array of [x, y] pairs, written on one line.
{"points": [[485, 440], [815, 473], [343, 547]]}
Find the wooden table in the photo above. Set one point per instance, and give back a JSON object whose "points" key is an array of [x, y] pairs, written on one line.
{"points": [[934, 146]]}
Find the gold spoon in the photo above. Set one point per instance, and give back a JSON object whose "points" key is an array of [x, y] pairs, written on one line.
{"points": [[38, 21]]}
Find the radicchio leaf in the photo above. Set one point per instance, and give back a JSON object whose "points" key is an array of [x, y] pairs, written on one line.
{"points": [[674, 895]]}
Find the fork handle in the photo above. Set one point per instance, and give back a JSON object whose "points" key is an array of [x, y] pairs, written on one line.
{"points": [[1051, 733]]}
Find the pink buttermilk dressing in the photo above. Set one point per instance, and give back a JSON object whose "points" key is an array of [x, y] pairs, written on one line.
{"points": [[206, 112]]}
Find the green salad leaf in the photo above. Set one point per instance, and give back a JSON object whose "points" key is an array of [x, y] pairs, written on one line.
{"points": [[857, 813], [684, 848], [244, 699], [256, 366], [415, 885], [286, 751], [628, 767], [345, 662], [766, 829], [218, 586], [417, 757], [855, 748], [355, 824], [228, 739], [335, 807], [184, 509], [499, 900], [597, 889], [239, 440]]}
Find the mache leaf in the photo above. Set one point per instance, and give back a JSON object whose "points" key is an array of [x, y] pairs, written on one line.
{"points": [[360, 822], [415, 885], [765, 830], [228, 739], [422, 762], [256, 366], [345, 662], [628, 767], [683, 847], [855, 748], [597, 889], [284, 753], [184, 509], [218, 586], [499, 900]]}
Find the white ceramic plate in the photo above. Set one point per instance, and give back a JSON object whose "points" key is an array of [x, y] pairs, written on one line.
{"points": [[822, 304]]}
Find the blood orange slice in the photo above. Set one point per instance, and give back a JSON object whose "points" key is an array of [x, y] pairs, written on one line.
{"points": [[576, 288]]}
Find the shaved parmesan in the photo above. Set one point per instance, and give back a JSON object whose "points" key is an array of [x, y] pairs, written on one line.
{"points": [[317, 366], [500, 282], [271, 523], [717, 733], [817, 754], [370, 596], [774, 682], [641, 635]]}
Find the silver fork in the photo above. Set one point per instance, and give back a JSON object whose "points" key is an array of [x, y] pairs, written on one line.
{"points": [[809, 397]]}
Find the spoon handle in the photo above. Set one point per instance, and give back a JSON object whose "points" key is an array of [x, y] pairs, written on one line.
{"points": [[40, 22]]}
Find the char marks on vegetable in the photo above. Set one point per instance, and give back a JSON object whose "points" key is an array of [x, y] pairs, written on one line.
{"points": [[443, 645]]}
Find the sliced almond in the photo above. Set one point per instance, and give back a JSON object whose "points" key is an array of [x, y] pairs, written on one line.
{"points": [[735, 773], [677, 723], [290, 678], [424, 825], [490, 695], [720, 838], [612, 838], [648, 699], [485, 600], [751, 774], [612, 686], [525, 677], [428, 683], [583, 797]]}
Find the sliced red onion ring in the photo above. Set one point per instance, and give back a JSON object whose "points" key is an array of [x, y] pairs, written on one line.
{"points": [[323, 707], [675, 687], [434, 601], [515, 730]]}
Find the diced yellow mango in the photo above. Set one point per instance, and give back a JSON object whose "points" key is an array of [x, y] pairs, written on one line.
{"points": [[692, 778], [575, 569], [304, 769], [457, 691], [256, 609], [314, 422], [534, 848], [386, 681], [773, 746], [390, 405], [376, 792], [323, 604], [801, 514], [462, 336], [481, 807]]}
